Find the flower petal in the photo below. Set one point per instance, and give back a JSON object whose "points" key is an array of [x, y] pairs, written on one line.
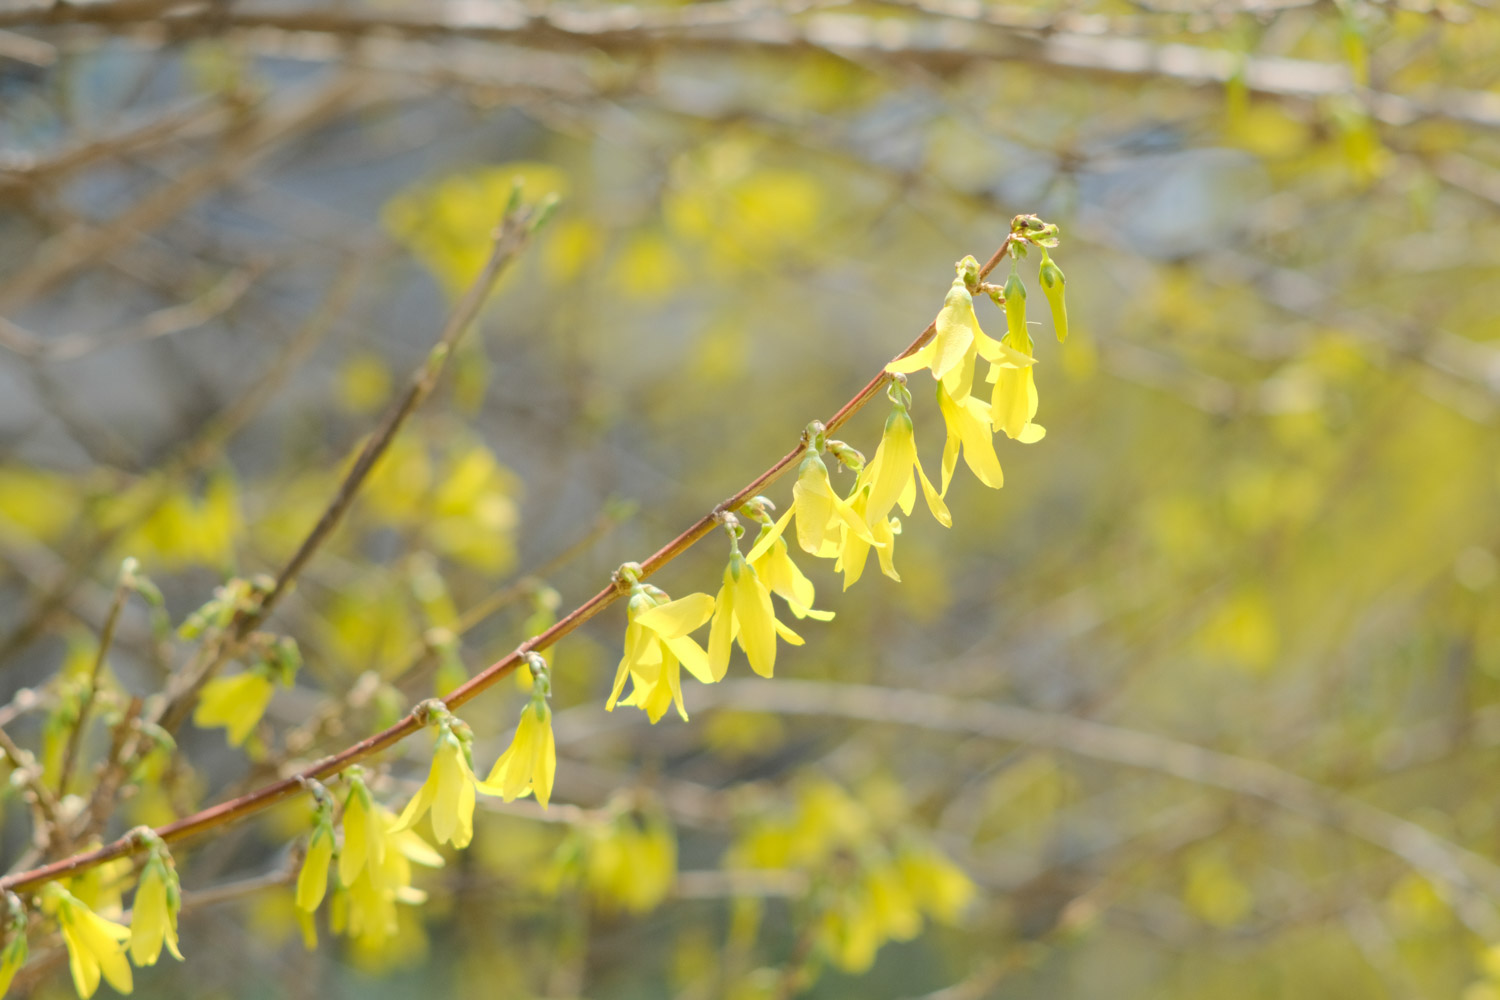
{"points": [[721, 633], [693, 657], [768, 536], [546, 765], [679, 617], [756, 617], [934, 499], [914, 362]]}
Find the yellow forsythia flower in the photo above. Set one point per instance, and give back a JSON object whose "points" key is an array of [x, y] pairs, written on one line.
{"points": [[891, 903], [153, 918], [896, 468], [366, 909], [530, 762], [235, 702], [951, 356], [854, 550], [850, 933], [951, 353], [936, 884], [631, 861], [819, 509], [1014, 404], [1014, 401], [774, 566], [743, 613], [968, 424], [448, 793], [364, 831], [312, 880], [657, 646], [370, 908], [185, 530], [95, 945]]}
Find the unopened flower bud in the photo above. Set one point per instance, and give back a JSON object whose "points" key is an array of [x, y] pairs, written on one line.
{"points": [[1015, 313], [1053, 284]]}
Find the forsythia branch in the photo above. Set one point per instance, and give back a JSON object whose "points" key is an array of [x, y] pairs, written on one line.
{"points": [[246, 805]]}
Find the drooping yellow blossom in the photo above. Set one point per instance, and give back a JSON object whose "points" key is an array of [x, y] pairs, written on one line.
{"points": [[530, 762], [657, 646], [371, 908], [773, 564], [1014, 401], [153, 917], [180, 528], [891, 902], [896, 469], [854, 550], [936, 884], [236, 703], [850, 933], [1014, 404], [366, 909], [968, 424], [887, 877], [819, 509], [630, 862], [951, 353], [743, 613], [95, 945], [312, 880], [448, 792], [866, 912], [364, 832]]}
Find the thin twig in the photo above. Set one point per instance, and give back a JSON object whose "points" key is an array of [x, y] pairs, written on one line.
{"points": [[239, 807], [20, 169], [419, 657], [106, 639], [509, 594], [80, 245], [163, 322], [122, 750], [199, 451], [42, 799], [511, 237]]}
